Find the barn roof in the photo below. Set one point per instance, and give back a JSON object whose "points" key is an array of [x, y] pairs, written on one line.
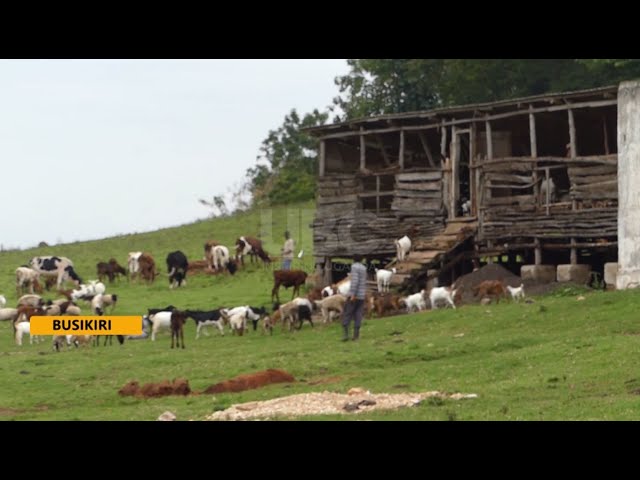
{"points": [[474, 109]]}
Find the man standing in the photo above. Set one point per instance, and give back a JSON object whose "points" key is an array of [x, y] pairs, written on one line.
{"points": [[354, 308], [287, 251]]}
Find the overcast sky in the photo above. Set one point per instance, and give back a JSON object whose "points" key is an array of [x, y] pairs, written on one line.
{"points": [[96, 148]]}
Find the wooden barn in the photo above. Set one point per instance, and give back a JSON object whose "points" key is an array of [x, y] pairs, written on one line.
{"points": [[537, 175]]}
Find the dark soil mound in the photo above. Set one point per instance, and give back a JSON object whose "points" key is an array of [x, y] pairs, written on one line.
{"points": [[492, 271]]}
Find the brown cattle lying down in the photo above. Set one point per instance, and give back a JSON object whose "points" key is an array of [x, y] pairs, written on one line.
{"points": [[490, 287], [251, 381], [180, 386]]}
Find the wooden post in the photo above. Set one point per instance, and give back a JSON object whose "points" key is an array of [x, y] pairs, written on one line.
{"points": [[453, 158], [328, 276], [401, 152], [534, 153], [322, 159], [378, 194], [606, 135], [538, 252], [574, 252], [362, 150], [572, 134], [548, 190], [443, 141], [489, 139], [472, 169]]}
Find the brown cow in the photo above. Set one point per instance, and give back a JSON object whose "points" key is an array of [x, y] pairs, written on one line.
{"points": [[490, 287], [287, 278]]}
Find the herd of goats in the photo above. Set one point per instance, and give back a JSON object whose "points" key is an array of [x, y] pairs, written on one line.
{"points": [[329, 301]]}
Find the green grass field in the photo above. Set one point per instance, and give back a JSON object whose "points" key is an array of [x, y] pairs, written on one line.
{"points": [[556, 359]]}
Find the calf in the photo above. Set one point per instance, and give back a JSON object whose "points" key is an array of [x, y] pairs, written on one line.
{"points": [[208, 252], [110, 270], [489, 287], [60, 267], [287, 278], [177, 266], [178, 319], [203, 319]]}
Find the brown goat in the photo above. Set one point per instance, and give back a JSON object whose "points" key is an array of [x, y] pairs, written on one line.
{"points": [[490, 287], [147, 267], [384, 303], [178, 319], [287, 278]]}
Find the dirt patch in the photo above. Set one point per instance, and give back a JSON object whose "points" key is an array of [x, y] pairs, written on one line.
{"points": [[327, 403], [324, 381], [251, 381], [179, 386], [10, 411]]}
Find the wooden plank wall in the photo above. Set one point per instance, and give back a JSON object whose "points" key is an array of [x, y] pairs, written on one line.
{"points": [[341, 228]]}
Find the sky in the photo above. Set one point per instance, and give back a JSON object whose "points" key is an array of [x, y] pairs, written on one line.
{"points": [[96, 148]]}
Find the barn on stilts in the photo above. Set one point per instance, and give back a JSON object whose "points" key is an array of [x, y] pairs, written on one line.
{"points": [[538, 174]]}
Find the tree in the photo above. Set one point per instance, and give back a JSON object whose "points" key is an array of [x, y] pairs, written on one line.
{"points": [[217, 203], [378, 86], [287, 163]]}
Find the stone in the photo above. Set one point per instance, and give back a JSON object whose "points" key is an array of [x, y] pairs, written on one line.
{"points": [[538, 273], [579, 274], [167, 417]]}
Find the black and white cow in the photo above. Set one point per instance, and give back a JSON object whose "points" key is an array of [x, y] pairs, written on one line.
{"points": [[177, 265], [52, 266]]}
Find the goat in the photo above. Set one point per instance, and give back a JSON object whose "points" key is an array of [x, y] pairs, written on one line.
{"points": [[403, 246], [489, 287], [202, 319], [250, 246], [178, 319], [335, 303], [383, 278], [516, 293], [445, 294], [416, 301]]}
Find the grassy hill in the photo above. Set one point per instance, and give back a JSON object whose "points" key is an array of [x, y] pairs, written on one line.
{"points": [[557, 358]]}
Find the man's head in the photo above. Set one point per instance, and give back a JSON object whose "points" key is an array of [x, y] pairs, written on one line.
{"points": [[357, 258]]}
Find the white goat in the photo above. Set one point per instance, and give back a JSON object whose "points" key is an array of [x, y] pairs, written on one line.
{"points": [[403, 246], [551, 186], [160, 320], [21, 329], [8, 314], [516, 293], [383, 277], [438, 294], [415, 301]]}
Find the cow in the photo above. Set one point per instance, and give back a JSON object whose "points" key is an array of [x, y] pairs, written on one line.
{"points": [[287, 278], [250, 246], [51, 266], [177, 266]]}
